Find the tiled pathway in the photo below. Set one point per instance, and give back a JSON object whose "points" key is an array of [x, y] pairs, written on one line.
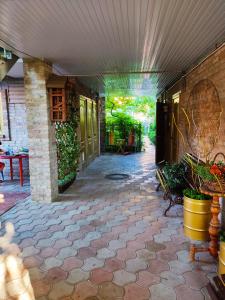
{"points": [[11, 192], [108, 240]]}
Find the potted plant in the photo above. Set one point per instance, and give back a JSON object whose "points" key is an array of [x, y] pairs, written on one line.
{"points": [[197, 214], [221, 269], [175, 177], [213, 175]]}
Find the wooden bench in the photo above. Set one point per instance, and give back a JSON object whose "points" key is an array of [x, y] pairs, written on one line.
{"points": [[192, 180]]}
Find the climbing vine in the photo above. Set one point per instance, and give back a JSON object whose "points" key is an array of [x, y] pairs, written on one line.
{"points": [[68, 148]]}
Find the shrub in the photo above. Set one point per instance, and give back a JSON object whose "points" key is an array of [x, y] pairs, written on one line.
{"points": [[175, 175], [68, 149], [152, 132], [194, 194]]}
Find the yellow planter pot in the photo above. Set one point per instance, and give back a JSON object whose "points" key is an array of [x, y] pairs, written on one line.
{"points": [[197, 217], [221, 269]]}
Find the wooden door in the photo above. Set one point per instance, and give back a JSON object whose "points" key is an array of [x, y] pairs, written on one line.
{"points": [[174, 142], [83, 130], [162, 132], [89, 130], [95, 129]]}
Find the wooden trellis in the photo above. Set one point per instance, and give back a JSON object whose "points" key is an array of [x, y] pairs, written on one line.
{"points": [[58, 89], [58, 111]]}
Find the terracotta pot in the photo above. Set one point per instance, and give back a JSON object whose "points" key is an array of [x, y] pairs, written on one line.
{"points": [[197, 216]]}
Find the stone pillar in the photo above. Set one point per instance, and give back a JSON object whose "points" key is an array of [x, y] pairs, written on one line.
{"points": [[102, 125], [41, 132]]}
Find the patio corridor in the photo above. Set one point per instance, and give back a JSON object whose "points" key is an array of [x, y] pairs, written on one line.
{"points": [[108, 239]]}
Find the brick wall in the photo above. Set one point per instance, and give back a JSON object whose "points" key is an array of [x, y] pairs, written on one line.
{"points": [[202, 97], [15, 124], [41, 132], [205, 94]]}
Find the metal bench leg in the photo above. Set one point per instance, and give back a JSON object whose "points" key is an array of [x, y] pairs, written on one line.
{"points": [[158, 187], [170, 205], [177, 200]]}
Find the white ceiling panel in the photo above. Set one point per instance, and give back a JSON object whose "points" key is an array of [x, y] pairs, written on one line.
{"points": [[93, 37]]}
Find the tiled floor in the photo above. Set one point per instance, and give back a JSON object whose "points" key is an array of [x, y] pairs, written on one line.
{"points": [[108, 240], [11, 192]]}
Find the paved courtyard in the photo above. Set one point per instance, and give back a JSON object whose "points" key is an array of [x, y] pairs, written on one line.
{"points": [[11, 192], [109, 240]]}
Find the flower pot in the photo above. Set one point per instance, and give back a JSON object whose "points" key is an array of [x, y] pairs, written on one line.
{"points": [[197, 216], [221, 269]]}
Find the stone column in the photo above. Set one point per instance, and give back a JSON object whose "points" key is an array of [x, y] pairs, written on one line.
{"points": [[41, 132]]}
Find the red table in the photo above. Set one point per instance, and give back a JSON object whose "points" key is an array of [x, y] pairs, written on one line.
{"points": [[20, 158]]}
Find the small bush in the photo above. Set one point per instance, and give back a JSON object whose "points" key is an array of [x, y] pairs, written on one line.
{"points": [[175, 176], [194, 194], [68, 178], [152, 132]]}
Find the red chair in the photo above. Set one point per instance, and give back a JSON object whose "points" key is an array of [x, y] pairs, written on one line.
{"points": [[2, 166]]}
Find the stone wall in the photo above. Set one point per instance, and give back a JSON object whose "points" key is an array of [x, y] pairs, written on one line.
{"points": [[15, 124]]}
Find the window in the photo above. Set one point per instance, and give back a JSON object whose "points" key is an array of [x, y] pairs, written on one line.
{"points": [[176, 97]]}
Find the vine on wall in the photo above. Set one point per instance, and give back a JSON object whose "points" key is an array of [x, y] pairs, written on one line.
{"points": [[68, 147]]}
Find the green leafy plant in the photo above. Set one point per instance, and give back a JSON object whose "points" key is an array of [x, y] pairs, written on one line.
{"points": [[152, 132], [127, 114], [222, 236], [175, 175], [194, 194], [122, 125], [212, 172], [68, 146], [204, 173], [68, 178]]}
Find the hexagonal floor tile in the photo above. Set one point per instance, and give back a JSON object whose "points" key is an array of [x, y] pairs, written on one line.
{"points": [[110, 291], [122, 277], [85, 290], [162, 292], [99, 276], [134, 292]]}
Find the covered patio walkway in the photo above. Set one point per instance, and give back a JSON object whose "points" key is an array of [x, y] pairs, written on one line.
{"points": [[108, 239]]}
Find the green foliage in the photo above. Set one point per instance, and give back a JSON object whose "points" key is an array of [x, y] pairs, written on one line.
{"points": [[175, 176], [67, 178], [125, 114], [130, 105], [122, 124], [67, 148], [152, 132], [194, 194], [222, 236], [204, 173]]}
